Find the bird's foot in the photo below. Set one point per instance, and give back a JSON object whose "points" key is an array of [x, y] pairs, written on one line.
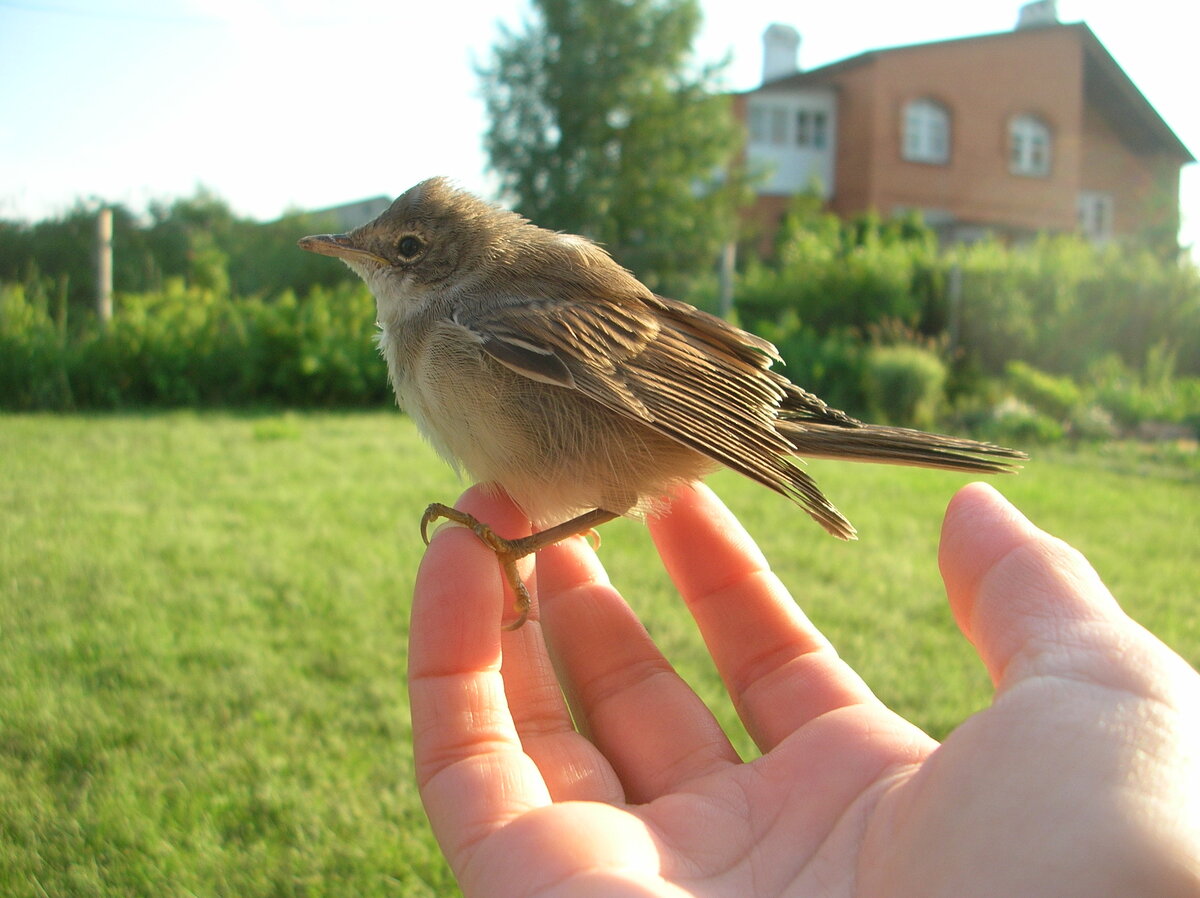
{"points": [[509, 551]]}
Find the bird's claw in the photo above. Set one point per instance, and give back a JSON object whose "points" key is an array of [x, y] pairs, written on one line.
{"points": [[507, 552]]}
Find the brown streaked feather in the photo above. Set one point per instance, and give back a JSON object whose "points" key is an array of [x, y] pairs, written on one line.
{"points": [[898, 446], [719, 333], [707, 384], [815, 429], [535, 362], [574, 334], [699, 384]]}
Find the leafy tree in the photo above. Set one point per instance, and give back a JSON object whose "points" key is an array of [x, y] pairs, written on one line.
{"points": [[264, 258], [602, 124]]}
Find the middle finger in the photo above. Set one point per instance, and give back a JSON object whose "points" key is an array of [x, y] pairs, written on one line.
{"points": [[649, 724]]}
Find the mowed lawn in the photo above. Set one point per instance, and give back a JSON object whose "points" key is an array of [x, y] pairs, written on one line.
{"points": [[203, 621]]}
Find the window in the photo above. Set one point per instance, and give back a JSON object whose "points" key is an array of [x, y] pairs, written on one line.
{"points": [[1028, 147], [812, 129], [1096, 215], [926, 132], [768, 125], [759, 123], [778, 133], [792, 138]]}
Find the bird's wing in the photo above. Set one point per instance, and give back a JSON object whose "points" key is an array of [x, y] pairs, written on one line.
{"points": [[568, 344], [686, 374]]}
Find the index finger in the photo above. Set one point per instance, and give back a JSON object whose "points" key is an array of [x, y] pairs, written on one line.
{"points": [[471, 771]]}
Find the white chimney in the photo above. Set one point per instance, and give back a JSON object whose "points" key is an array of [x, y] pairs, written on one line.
{"points": [[781, 50], [1038, 14]]}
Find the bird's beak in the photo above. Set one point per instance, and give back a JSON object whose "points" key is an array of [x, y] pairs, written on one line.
{"points": [[341, 246]]}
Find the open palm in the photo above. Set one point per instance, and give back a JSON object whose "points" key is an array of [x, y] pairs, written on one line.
{"points": [[569, 758]]}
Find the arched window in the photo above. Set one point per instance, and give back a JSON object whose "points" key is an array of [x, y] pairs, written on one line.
{"points": [[926, 132], [1028, 146]]}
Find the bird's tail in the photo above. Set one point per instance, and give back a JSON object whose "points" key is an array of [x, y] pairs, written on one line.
{"points": [[898, 446]]}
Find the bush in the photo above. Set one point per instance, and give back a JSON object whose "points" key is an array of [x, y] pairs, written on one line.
{"points": [[1014, 423], [1091, 423], [188, 346], [905, 385], [1062, 305], [830, 366], [1154, 394], [830, 292], [1080, 334], [32, 372], [1054, 396], [1114, 399]]}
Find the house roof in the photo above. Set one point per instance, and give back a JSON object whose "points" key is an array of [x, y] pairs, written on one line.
{"points": [[1106, 86]]}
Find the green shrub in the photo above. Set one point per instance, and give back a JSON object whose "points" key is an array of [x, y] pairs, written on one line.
{"points": [[1014, 423], [1091, 423], [32, 374], [188, 346], [1061, 305], [840, 276], [830, 366], [905, 385], [1077, 332], [1054, 396], [1119, 391]]}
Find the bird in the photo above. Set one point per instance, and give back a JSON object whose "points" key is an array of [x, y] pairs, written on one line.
{"points": [[530, 359]]}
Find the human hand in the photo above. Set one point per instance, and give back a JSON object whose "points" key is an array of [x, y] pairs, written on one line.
{"points": [[1081, 778]]}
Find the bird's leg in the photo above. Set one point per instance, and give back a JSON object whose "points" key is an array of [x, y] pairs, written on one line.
{"points": [[508, 551]]}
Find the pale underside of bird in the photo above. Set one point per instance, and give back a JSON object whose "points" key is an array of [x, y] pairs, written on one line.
{"points": [[531, 360]]}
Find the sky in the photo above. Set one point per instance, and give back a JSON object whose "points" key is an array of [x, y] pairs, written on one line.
{"points": [[276, 105]]}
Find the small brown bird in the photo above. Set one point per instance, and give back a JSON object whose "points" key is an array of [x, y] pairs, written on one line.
{"points": [[532, 360]]}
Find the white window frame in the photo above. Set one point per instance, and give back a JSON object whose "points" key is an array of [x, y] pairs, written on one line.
{"points": [[926, 132], [759, 123], [779, 127], [1097, 215], [812, 128], [1030, 147], [769, 125]]}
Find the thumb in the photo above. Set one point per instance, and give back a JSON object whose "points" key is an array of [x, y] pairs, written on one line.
{"points": [[1031, 604]]}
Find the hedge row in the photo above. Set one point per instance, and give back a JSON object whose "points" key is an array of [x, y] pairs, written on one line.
{"points": [[189, 346]]}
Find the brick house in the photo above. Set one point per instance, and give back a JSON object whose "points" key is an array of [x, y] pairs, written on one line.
{"points": [[1011, 133]]}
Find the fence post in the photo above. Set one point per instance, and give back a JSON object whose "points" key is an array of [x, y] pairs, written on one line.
{"points": [[954, 290], [104, 260], [728, 264]]}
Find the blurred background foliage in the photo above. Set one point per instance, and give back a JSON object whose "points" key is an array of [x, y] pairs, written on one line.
{"points": [[1056, 339], [196, 238]]}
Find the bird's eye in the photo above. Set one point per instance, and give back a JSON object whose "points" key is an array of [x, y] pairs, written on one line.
{"points": [[409, 247]]}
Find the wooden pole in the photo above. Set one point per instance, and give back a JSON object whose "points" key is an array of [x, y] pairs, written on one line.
{"points": [[728, 265], [955, 293], [104, 259]]}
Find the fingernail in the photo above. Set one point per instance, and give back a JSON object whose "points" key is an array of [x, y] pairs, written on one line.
{"points": [[445, 525]]}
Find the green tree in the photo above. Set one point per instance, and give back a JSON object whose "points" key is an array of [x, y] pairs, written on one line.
{"points": [[602, 123]]}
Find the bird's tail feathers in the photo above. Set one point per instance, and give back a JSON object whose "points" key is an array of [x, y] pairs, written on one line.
{"points": [[898, 446]]}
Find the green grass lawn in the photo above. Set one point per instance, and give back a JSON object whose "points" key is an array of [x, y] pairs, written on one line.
{"points": [[203, 623]]}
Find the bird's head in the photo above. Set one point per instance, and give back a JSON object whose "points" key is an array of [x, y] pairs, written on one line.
{"points": [[432, 241], [438, 246]]}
